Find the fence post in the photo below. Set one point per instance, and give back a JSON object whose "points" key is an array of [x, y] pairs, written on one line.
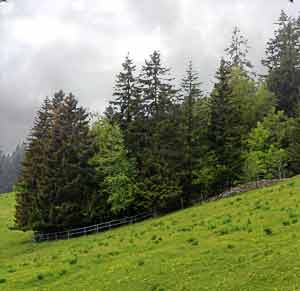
{"points": [[68, 235]]}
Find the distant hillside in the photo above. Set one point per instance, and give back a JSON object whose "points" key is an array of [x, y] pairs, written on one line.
{"points": [[10, 165], [247, 242]]}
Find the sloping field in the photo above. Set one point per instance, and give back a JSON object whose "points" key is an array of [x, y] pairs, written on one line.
{"points": [[247, 242]]}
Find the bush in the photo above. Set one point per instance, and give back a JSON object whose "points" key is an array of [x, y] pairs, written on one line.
{"points": [[226, 220], [73, 261], [211, 226], [286, 223], [2, 280], [40, 277], [62, 272], [294, 220], [268, 231], [223, 231], [193, 241]]}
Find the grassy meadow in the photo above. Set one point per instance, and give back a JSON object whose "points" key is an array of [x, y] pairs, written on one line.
{"points": [[247, 242]]}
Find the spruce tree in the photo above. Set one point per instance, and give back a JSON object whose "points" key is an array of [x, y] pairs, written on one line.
{"points": [[158, 139], [283, 63], [32, 169], [156, 85], [191, 93], [69, 174], [57, 181], [126, 95], [237, 51], [225, 129]]}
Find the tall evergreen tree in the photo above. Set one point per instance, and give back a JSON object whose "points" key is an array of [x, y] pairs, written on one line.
{"points": [[32, 168], [69, 172], [237, 52], [225, 128], [126, 95], [156, 85], [191, 92], [57, 179], [283, 63], [158, 157]]}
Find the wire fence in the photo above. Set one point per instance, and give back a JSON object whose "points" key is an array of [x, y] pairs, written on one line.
{"points": [[76, 232]]}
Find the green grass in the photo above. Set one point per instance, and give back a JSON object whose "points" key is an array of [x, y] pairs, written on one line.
{"points": [[247, 242]]}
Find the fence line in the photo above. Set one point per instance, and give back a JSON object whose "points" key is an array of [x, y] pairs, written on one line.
{"points": [[75, 232]]}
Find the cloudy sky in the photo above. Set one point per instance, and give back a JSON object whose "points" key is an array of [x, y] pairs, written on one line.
{"points": [[79, 45]]}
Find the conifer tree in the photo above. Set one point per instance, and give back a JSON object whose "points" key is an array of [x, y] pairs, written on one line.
{"points": [[32, 168], [156, 85], [191, 93], [158, 156], [225, 128], [57, 180], [283, 63], [237, 52], [70, 175], [126, 95]]}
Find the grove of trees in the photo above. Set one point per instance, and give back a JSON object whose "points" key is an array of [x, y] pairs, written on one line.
{"points": [[10, 165], [162, 144]]}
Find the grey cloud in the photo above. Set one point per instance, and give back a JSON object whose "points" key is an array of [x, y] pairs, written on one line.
{"points": [[78, 46]]}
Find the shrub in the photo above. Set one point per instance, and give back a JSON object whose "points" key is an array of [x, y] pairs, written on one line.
{"points": [[257, 205], [211, 226], [193, 241], [223, 231], [226, 220], [184, 229], [62, 272], [286, 223], [268, 231], [294, 220], [73, 261], [2, 280], [40, 277]]}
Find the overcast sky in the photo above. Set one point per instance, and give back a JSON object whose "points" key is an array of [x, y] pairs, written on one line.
{"points": [[79, 45]]}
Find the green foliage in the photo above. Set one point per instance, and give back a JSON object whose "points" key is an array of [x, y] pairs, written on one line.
{"points": [[226, 131], [127, 95], [282, 61], [293, 148], [191, 94], [265, 157], [115, 172], [56, 180], [237, 51]]}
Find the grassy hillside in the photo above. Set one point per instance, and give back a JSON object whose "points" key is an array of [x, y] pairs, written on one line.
{"points": [[248, 242]]}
